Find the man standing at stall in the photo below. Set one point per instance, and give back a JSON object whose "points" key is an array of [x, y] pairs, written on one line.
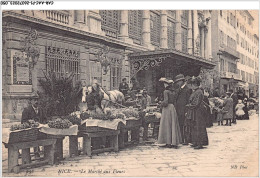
{"points": [[123, 87], [182, 100], [34, 112]]}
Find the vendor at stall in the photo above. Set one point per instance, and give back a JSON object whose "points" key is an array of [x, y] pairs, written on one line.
{"points": [[34, 112], [94, 98], [123, 87]]}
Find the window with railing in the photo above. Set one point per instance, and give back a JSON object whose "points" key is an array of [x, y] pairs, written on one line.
{"points": [[63, 61], [232, 67], [60, 16], [135, 25], [171, 34], [110, 22], [243, 75], [115, 73], [155, 26], [222, 65]]}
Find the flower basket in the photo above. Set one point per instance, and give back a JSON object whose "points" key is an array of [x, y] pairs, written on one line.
{"points": [[26, 135]]}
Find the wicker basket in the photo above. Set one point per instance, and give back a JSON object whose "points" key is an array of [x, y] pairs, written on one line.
{"points": [[25, 135]]}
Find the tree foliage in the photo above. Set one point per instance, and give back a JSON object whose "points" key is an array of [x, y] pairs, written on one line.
{"points": [[59, 96]]}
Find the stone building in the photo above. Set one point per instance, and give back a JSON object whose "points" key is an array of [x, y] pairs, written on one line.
{"points": [[106, 45], [235, 49], [247, 44]]}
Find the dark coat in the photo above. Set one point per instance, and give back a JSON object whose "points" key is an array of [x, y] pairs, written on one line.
{"points": [[123, 87], [90, 99], [207, 112], [228, 108], [235, 100], [30, 114], [182, 100], [195, 113]]}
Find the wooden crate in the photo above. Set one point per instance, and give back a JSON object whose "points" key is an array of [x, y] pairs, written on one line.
{"points": [[25, 135]]}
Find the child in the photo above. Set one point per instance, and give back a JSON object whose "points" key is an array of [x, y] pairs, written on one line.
{"points": [[239, 110]]}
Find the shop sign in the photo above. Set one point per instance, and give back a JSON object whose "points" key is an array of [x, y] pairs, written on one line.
{"points": [[21, 68]]}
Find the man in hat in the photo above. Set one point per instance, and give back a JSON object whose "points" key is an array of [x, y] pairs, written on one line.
{"points": [[123, 87], [34, 112], [136, 86], [182, 100], [228, 109], [235, 102], [146, 97]]}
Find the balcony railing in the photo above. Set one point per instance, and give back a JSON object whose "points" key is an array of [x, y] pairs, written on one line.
{"points": [[230, 75], [230, 51], [110, 32], [57, 16]]}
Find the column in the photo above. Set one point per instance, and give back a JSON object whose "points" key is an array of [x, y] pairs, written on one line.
{"points": [[209, 37], [202, 40], [123, 32], [190, 47], [146, 33], [94, 22], [163, 40], [178, 31], [195, 30]]}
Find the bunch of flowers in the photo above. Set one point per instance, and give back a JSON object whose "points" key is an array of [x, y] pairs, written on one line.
{"points": [[29, 124], [59, 123]]}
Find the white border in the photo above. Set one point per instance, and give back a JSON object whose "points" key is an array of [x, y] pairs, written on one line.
{"points": [[115, 5]]}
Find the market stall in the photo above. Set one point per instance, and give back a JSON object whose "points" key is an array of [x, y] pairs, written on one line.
{"points": [[24, 137]]}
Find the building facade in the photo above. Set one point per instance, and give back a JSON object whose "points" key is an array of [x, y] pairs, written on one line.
{"points": [[235, 49], [247, 44], [95, 44]]}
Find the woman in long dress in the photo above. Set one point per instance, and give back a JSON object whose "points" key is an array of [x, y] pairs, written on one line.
{"points": [[195, 112], [169, 130]]}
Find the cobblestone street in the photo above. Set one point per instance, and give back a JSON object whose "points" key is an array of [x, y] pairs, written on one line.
{"points": [[232, 151]]}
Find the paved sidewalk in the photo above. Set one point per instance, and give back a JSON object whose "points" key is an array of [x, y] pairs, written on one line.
{"points": [[232, 151]]}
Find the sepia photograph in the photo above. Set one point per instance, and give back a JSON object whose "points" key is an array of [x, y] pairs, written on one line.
{"points": [[130, 93]]}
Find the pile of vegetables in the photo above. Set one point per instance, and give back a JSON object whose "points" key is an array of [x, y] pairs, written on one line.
{"points": [[130, 112], [74, 119], [29, 124], [59, 123]]}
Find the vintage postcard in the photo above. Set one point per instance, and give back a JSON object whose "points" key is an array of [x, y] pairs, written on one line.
{"points": [[129, 92]]}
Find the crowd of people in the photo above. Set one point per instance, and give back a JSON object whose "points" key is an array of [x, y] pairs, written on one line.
{"points": [[185, 106]]}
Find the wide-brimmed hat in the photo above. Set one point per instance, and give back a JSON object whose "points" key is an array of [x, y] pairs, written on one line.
{"points": [[179, 77], [165, 80]]}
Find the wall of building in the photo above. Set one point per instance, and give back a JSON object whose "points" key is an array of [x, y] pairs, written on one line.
{"points": [[84, 31]]}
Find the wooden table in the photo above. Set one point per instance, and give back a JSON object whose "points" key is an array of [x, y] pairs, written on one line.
{"points": [[150, 119], [107, 136], [134, 127], [58, 155], [13, 154]]}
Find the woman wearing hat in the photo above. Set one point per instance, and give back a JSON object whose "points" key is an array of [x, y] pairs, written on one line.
{"points": [[169, 130], [195, 113]]}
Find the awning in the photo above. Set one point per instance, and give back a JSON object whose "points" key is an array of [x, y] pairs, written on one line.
{"points": [[147, 59]]}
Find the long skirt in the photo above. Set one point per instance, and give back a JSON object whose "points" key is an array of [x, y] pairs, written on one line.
{"points": [[169, 130]]}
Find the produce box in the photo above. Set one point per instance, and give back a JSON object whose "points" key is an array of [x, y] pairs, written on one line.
{"points": [[25, 135]]}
